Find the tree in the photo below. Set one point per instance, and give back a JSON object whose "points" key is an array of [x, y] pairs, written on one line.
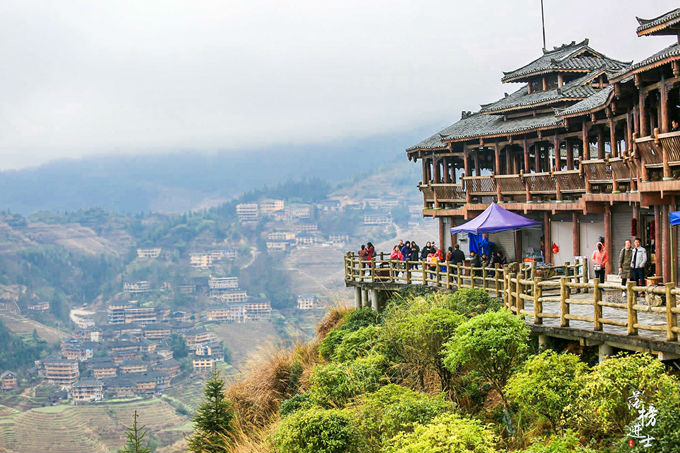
{"points": [[316, 431], [494, 344], [213, 422], [178, 346], [135, 438], [546, 384]]}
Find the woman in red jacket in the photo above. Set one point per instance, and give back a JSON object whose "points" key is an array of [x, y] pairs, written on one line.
{"points": [[600, 259]]}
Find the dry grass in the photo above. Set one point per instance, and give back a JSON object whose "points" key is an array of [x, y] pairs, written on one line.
{"points": [[269, 378], [332, 320]]}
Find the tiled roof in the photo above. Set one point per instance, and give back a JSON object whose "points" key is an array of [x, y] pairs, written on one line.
{"points": [[432, 142], [672, 51], [598, 99], [663, 22], [575, 89], [566, 57], [481, 125]]}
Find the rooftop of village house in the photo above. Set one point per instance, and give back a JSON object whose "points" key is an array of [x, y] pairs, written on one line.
{"points": [[665, 24]]}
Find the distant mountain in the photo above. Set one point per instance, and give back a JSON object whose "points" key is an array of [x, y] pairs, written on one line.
{"points": [[184, 181]]}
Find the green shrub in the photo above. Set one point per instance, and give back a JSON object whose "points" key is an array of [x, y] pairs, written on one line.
{"points": [[471, 302], [333, 385], [316, 431], [352, 321], [546, 384], [446, 433], [494, 344], [394, 409], [566, 443], [294, 404], [357, 343], [414, 336], [601, 408]]}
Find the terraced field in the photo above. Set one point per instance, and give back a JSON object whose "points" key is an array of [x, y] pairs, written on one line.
{"points": [[88, 428]]}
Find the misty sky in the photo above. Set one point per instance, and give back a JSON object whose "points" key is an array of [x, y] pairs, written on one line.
{"points": [[87, 77]]}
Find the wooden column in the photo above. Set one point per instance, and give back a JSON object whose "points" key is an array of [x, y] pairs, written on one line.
{"points": [[537, 157], [424, 171], [666, 242], [437, 173], [612, 137], [546, 237], [525, 147], [629, 133], [441, 234], [447, 170], [658, 268], [644, 120], [570, 155], [608, 237], [466, 160], [600, 143], [575, 234], [497, 158], [558, 166], [584, 139], [663, 100], [518, 246], [478, 171]]}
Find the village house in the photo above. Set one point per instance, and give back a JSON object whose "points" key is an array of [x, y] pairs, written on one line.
{"points": [[8, 381], [39, 306], [139, 287], [171, 366], [378, 219], [87, 391], [149, 252], [203, 364], [157, 331], [132, 366], [307, 302], [201, 260], [268, 206], [140, 315], [247, 213], [103, 368], [60, 371], [277, 246], [119, 387], [74, 349]]}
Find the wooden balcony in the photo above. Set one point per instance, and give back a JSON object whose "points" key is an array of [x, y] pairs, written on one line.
{"points": [[511, 185], [570, 181], [541, 183], [480, 185], [598, 174], [449, 193]]}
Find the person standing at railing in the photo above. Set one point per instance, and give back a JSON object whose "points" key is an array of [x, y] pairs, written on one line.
{"points": [[406, 251], [625, 258], [675, 127], [457, 256], [432, 261], [362, 256], [396, 254], [425, 253], [600, 260], [638, 263], [370, 251], [475, 262]]}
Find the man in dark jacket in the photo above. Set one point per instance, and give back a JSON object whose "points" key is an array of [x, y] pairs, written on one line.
{"points": [[457, 256], [426, 251], [475, 261], [415, 250]]}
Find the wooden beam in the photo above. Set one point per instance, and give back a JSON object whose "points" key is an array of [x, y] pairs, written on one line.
{"points": [[585, 142], [665, 121], [525, 147], [547, 244], [666, 242], [644, 124], [497, 156]]}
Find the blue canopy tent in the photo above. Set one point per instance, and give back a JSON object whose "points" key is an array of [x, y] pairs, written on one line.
{"points": [[494, 219]]}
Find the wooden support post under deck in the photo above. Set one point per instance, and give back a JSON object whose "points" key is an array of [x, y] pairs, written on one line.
{"points": [[657, 241], [441, 234], [575, 234], [424, 160], [666, 243], [597, 308], [671, 318], [632, 314], [525, 147], [564, 306], [508, 159], [608, 237], [518, 246], [538, 305], [546, 237], [437, 173]]}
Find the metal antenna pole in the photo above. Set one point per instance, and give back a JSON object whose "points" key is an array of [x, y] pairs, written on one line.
{"points": [[543, 24]]}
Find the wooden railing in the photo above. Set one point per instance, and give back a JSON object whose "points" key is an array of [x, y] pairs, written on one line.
{"points": [[562, 294], [570, 181], [480, 185], [449, 193]]}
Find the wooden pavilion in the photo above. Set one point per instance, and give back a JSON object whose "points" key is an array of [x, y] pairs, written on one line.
{"points": [[584, 146]]}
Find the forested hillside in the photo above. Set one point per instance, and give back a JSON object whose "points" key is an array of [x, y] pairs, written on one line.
{"points": [[449, 373]]}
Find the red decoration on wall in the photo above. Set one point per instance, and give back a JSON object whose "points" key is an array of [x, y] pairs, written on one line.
{"points": [[555, 248]]}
